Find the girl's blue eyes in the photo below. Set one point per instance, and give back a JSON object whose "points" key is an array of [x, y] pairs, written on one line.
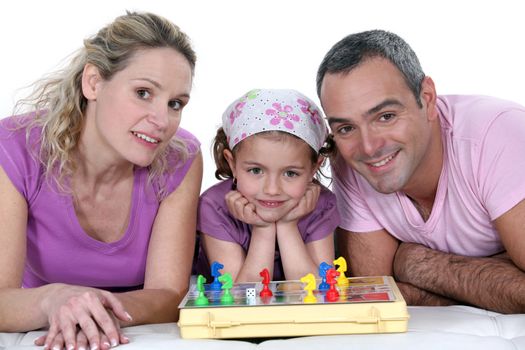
{"points": [[258, 171]]}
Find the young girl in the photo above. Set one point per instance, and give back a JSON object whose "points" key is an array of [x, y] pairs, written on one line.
{"points": [[270, 212]]}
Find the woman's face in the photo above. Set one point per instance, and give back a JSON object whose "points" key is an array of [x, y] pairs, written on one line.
{"points": [[133, 115]]}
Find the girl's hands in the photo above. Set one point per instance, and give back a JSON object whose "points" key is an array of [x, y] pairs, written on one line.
{"points": [[305, 206], [243, 210], [80, 312]]}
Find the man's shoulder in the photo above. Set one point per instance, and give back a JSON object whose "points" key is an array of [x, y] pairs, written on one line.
{"points": [[469, 116]]}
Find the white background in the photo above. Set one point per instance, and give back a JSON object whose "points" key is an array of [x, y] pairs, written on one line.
{"points": [[468, 47]]}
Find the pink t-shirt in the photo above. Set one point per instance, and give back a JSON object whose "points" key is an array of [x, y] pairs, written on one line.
{"points": [[483, 176], [58, 249]]}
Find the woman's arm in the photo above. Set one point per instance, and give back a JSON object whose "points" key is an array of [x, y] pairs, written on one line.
{"points": [[167, 273], [170, 254], [17, 306], [32, 308]]}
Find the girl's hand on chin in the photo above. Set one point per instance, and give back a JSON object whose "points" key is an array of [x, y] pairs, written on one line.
{"points": [[305, 206], [243, 210]]}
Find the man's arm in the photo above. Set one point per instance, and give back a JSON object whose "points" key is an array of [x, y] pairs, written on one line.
{"points": [[420, 297], [372, 254], [367, 254], [493, 283]]}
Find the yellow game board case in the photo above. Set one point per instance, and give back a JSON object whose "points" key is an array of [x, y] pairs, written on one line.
{"points": [[366, 305]]}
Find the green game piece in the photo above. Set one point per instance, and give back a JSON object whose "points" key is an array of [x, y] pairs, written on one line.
{"points": [[227, 284], [227, 297], [201, 300], [200, 283]]}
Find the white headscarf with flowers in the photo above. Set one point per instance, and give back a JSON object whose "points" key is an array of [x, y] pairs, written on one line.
{"points": [[272, 109]]}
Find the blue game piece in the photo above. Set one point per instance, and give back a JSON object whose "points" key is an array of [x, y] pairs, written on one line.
{"points": [[215, 267], [323, 267]]}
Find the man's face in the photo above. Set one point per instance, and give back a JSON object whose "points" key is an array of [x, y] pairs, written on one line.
{"points": [[378, 127]]}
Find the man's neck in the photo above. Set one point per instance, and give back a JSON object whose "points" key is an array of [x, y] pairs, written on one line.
{"points": [[423, 186]]}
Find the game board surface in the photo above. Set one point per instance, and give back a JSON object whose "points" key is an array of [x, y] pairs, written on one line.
{"points": [[360, 289], [366, 305]]}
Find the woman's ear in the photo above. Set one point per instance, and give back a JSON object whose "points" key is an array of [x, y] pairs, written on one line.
{"points": [[228, 155], [90, 79]]}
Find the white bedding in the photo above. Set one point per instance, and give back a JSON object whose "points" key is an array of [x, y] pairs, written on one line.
{"points": [[449, 328]]}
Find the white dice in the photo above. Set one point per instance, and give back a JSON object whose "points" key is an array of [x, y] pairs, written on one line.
{"points": [[250, 296]]}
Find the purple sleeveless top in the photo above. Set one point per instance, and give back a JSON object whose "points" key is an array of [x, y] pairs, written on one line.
{"points": [[58, 249]]}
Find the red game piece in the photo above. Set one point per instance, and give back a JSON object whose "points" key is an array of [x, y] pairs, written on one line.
{"points": [[265, 292], [332, 294]]}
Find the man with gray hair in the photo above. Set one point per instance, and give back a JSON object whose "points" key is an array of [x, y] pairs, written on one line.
{"points": [[431, 189]]}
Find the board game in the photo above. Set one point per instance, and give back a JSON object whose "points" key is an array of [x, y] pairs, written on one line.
{"points": [[288, 308]]}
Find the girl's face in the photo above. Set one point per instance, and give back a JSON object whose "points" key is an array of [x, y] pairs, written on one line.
{"points": [[134, 114], [272, 172]]}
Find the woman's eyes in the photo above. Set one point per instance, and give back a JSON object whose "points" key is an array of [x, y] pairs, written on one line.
{"points": [[143, 93]]}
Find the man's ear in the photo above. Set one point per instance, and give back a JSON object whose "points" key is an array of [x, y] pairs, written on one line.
{"points": [[231, 161], [90, 79], [429, 97]]}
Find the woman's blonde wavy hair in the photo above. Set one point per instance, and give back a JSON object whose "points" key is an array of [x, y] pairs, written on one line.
{"points": [[59, 103]]}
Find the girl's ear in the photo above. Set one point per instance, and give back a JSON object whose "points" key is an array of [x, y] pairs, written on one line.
{"points": [[319, 163], [90, 79], [228, 155]]}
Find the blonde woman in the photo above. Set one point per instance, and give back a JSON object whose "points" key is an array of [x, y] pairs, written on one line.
{"points": [[100, 189]]}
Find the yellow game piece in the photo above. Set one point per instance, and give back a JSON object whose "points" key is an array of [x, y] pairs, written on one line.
{"points": [[309, 288], [342, 281]]}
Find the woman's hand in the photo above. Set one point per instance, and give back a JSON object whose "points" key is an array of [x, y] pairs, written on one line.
{"points": [[243, 210], [96, 313], [81, 342], [305, 206]]}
